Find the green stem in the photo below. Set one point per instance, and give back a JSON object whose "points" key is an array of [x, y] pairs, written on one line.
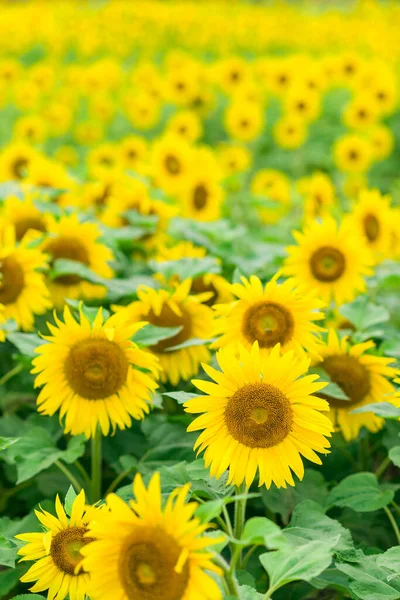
{"points": [[240, 517], [382, 467], [82, 471], [75, 483], [96, 466], [231, 583], [396, 506], [227, 520], [118, 480], [17, 369], [393, 522]]}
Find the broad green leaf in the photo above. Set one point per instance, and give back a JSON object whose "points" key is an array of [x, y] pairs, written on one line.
{"points": [[332, 389], [369, 581], [8, 552], [310, 523], [69, 500], [75, 449], [26, 343], [361, 492], [181, 397], [186, 268], [5, 442], [64, 266], [262, 531], [149, 335], [381, 409], [390, 560], [363, 313], [9, 579], [394, 455], [191, 342], [302, 563], [209, 510], [29, 597], [248, 593]]}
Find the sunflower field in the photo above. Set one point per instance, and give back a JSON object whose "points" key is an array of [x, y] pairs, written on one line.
{"points": [[199, 300]]}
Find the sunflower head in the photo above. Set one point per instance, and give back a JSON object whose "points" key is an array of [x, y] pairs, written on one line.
{"points": [[103, 378], [260, 415], [150, 551]]}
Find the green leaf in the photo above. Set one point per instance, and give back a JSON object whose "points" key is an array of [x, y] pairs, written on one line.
{"points": [[394, 455], [8, 552], [64, 266], [262, 531], [361, 492], [9, 579], [5, 442], [390, 560], [29, 597], [149, 335], [302, 563], [370, 581], [185, 268], [26, 343], [191, 342], [209, 510], [75, 449], [363, 313], [248, 593], [381, 409], [332, 389], [69, 500], [181, 397]]}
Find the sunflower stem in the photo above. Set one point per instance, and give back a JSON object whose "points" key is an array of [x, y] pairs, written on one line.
{"points": [[382, 467], [393, 522], [96, 466], [75, 483], [240, 517], [229, 577], [17, 369]]}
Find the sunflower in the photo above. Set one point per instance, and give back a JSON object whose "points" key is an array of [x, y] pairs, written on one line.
{"points": [[102, 159], [93, 374], [16, 161], [187, 124], [319, 195], [275, 186], [362, 377], [69, 239], [261, 414], [244, 121], [275, 313], [290, 132], [23, 290], [133, 151], [234, 159], [353, 153], [202, 196], [361, 113], [142, 109], [382, 141], [47, 173], [372, 219], [171, 162], [57, 551], [144, 551], [329, 259], [175, 308], [30, 129], [23, 215], [303, 102]]}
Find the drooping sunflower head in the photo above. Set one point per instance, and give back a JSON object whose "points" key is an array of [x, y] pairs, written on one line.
{"points": [[185, 313], [362, 376], [23, 290], [23, 215], [150, 551], [94, 374], [57, 551], [330, 259], [71, 240], [260, 416], [270, 314]]}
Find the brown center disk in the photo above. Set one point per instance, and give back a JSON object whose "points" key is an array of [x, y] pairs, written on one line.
{"points": [[172, 164], [371, 227], [147, 566], [199, 286], [167, 318], [200, 196], [12, 280], [259, 415], [19, 167], [65, 549], [268, 323], [96, 368], [350, 375], [23, 225], [69, 248], [327, 264]]}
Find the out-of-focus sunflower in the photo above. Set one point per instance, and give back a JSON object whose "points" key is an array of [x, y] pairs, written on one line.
{"points": [[150, 551], [319, 195], [94, 374], [187, 124], [176, 308], [290, 132], [260, 415], [23, 215], [353, 153], [363, 378], [275, 186], [171, 162], [329, 259], [16, 161], [244, 121], [275, 313]]}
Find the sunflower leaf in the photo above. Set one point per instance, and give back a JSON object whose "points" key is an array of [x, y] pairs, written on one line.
{"points": [[181, 397], [332, 389], [149, 335], [69, 500], [372, 580], [185, 268], [364, 314], [26, 343], [5, 442], [361, 492], [394, 455], [381, 409]]}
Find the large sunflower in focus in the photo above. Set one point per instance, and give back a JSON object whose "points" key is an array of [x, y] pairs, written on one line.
{"points": [[93, 374], [363, 378], [276, 313], [69, 239], [260, 415], [23, 290], [329, 259], [144, 551], [175, 308]]}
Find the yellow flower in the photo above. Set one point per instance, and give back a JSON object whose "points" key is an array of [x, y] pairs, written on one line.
{"points": [[16, 161], [142, 109], [382, 141], [353, 154], [102, 159], [260, 414], [133, 151], [303, 102], [48, 174], [171, 162], [202, 196], [275, 313], [290, 132], [57, 551], [361, 113], [93, 374], [174, 308], [362, 377], [275, 186], [372, 218], [234, 159], [71, 240], [187, 124], [329, 259], [244, 121], [319, 195], [23, 290], [31, 129], [2, 323], [150, 551], [23, 215]]}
